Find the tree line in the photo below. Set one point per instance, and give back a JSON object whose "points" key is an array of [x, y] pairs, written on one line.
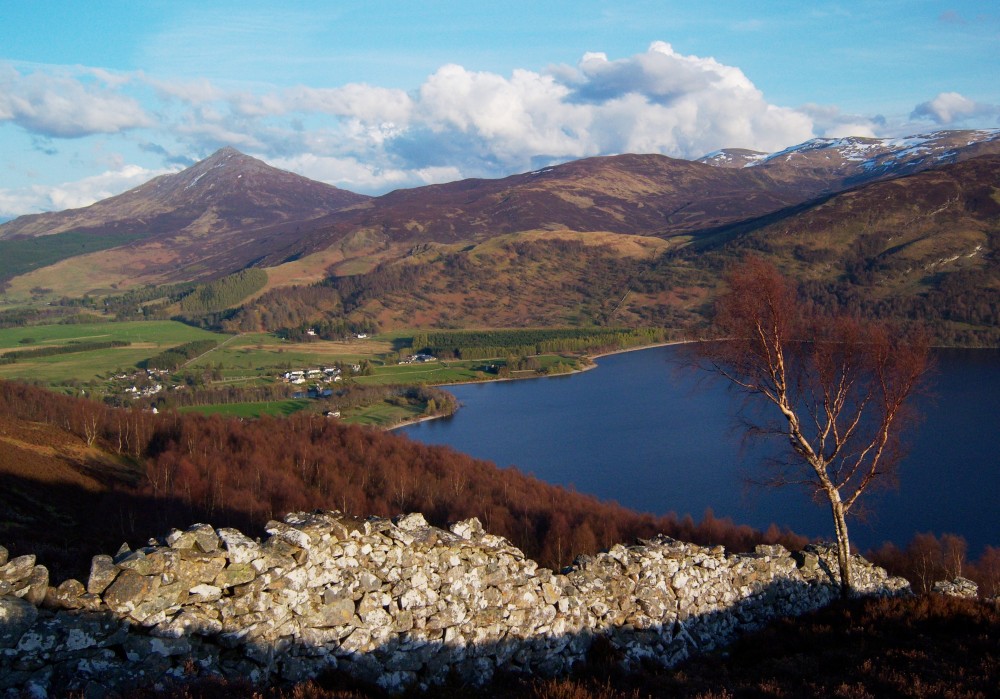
{"points": [[220, 294], [242, 473], [70, 348], [174, 357], [487, 344]]}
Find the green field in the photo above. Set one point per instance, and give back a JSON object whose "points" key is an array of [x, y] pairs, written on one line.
{"points": [[382, 415], [277, 408], [249, 359], [161, 333], [262, 354], [429, 372], [147, 338], [452, 371]]}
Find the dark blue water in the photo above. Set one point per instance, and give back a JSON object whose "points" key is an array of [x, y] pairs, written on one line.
{"points": [[657, 438]]}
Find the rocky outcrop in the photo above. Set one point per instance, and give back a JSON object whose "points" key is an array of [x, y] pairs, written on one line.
{"points": [[959, 587], [398, 603]]}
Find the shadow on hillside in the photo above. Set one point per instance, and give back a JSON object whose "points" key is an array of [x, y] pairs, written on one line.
{"points": [[64, 525]]}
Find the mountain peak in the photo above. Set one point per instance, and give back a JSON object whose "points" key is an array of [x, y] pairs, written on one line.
{"points": [[733, 157], [225, 152]]}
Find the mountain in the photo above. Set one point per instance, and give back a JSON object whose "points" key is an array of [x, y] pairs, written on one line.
{"points": [[225, 192], [627, 238], [899, 232], [834, 164], [650, 195], [733, 157], [212, 218], [925, 246]]}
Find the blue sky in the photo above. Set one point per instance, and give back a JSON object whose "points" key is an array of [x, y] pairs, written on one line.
{"points": [[99, 97]]}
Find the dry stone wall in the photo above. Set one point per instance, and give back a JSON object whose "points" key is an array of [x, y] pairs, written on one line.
{"points": [[398, 603]]}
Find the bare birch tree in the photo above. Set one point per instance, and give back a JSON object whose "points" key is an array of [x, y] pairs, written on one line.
{"points": [[837, 388]]}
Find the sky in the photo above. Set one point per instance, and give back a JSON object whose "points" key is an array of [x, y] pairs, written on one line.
{"points": [[99, 97]]}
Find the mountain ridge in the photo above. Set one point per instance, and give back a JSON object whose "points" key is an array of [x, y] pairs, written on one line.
{"points": [[198, 187], [628, 210]]}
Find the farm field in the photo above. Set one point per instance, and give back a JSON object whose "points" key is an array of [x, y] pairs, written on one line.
{"points": [[274, 408], [382, 415], [147, 338], [263, 354], [239, 376], [428, 372], [158, 333]]}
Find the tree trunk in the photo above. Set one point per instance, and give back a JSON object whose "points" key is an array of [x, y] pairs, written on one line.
{"points": [[843, 545]]}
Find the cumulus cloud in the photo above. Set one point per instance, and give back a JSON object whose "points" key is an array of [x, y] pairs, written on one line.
{"points": [[457, 123], [951, 107], [66, 106], [358, 176], [73, 195], [655, 102], [831, 122], [476, 123]]}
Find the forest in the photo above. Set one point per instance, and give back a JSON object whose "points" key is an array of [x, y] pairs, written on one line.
{"points": [[188, 468], [223, 293], [486, 344], [69, 348], [174, 357]]}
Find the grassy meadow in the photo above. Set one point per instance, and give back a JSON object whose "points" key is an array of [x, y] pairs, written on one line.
{"points": [[147, 338], [273, 408], [244, 361]]}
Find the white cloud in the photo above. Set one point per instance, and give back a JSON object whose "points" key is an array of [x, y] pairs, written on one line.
{"points": [[830, 122], [363, 102], [486, 124], [73, 195], [457, 123], [951, 107], [350, 173], [655, 102], [68, 106], [683, 106]]}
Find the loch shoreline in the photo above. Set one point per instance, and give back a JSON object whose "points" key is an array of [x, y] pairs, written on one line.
{"points": [[588, 367]]}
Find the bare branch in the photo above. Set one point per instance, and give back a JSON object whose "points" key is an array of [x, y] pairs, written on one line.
{"points": [[846, 379]]}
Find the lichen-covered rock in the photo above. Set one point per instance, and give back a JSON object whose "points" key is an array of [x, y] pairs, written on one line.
{"points": [[17, 569], [959, 587], [129, 590], [397, 603], [102, 573], [67, 595], [16, 617], [35, 586]]}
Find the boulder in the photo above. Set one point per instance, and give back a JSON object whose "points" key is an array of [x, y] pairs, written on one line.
{"points": [[16, 617]]}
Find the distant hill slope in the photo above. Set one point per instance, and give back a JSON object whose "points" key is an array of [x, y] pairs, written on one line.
{"points": [[649, 195], [227, 191], [913, 227], [633, 194], [231, 211], [923, 247], [216, 217], [833, 164]]}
